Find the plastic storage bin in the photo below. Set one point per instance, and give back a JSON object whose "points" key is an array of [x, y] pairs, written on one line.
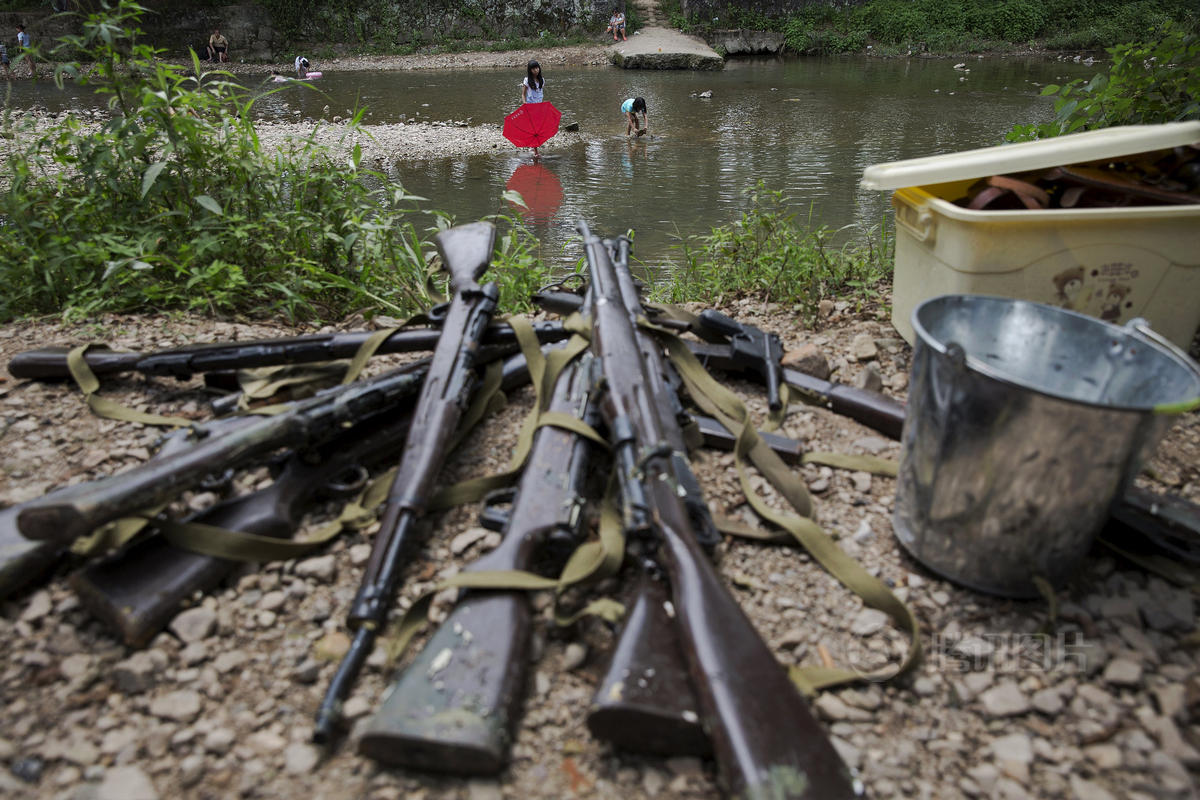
{"points": [[1111, 263]]}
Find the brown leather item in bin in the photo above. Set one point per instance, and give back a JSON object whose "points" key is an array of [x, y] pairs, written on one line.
{"points": [[999, 186], [1119, 186]]}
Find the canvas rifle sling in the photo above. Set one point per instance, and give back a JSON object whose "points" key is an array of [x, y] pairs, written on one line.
{"points": [[718, 401]]}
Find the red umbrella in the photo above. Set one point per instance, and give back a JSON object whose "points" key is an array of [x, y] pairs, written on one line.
{"points": [[532, 124], [539, 188]]}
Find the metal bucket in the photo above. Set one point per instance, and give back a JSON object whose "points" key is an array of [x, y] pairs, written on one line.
{"points": [[1025, 422]]}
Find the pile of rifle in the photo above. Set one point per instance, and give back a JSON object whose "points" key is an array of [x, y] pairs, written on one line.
{"points": [[689, 674]]}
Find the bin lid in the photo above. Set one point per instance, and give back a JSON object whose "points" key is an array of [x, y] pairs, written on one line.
{"points": [[1021, 156]]}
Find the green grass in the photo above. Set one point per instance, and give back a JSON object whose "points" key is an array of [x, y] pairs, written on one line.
{"points": [[770, 256]]}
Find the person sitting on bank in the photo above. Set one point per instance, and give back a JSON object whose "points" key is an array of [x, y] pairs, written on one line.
{"points": [[301, 65], [218, 47], [616, 24]]}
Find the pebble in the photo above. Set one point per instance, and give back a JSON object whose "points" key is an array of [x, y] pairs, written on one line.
{"points": [[1048, 702], [1004, 700], [321, 568], [182, 705], [460, 543], [573, 656], [1123, 672], [194, 624], [869, 621], [480, 789], [140, 671], [126, 783], [300, 758], [1082, 789]]}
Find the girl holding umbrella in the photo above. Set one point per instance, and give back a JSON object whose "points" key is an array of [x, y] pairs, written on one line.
{"points": [[535, 120], [532, 88]]}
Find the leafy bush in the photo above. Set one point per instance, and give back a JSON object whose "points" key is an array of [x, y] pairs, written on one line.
{"points": [[768, 255], [174, 203], [1147, 83]]}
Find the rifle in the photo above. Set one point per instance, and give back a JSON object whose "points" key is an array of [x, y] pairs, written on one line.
{"points": [[24, 560], [766, 741], [739, 348], [50, 363], [466, 251], [459, 715], [138, 590]]}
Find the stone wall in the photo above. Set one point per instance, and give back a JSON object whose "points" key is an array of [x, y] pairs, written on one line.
{"points": [[705, 10], [175, 26]]}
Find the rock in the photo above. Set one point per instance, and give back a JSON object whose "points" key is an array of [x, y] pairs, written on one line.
{"points": [[300, 758], [39, 606], [573, 656], [868, 621], [266, 742], [357, 706], [191, 770], [808, 359], [1123, 672], [1170, 699], [194, 624], [1082, 789], [321, 568], [480, 789], [126, 783], [1014, 747], [874, 445], [832, 707], [182, 705], [140, 671], [1004, 700], [219, 740], [229, 661], [1104, 756], [870, 379], [307, 671], [460, 543], [332, 646], [1048, 702], [863, 348]]}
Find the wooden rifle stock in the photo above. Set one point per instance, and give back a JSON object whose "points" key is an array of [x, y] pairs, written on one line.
{"points": [[24, 560], [466, 251], [138, 590], [766, 741], [458, 715]]}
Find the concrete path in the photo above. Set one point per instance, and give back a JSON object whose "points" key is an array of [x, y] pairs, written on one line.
{"points": [[656, 46]]}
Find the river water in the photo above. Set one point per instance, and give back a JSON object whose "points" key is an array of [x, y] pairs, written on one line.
{"points": [[805, 126]]}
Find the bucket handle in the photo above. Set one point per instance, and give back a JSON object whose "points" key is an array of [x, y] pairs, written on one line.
{"points": [[917, 222], [1139, 326]]}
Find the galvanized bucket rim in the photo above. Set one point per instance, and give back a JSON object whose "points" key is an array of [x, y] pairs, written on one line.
{"points": [[924, 336]]}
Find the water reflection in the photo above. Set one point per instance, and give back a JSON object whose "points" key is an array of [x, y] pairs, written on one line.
{"points": [[540, 188]]}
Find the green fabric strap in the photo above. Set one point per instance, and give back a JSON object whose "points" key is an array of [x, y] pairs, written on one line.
{"points": [[874, 464], [727, 407], [543, 373], [590, 561], [89, 384]]}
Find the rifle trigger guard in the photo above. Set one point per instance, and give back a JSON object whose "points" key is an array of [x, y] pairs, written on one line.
{"points": [[349, 481], [492, 516], [662, 450]]}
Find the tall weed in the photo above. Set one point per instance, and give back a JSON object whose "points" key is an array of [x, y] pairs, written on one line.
{"points": [[768, 255], [173, 202]]}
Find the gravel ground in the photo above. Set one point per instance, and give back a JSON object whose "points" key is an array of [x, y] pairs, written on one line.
{"points": [[221, 704]]}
